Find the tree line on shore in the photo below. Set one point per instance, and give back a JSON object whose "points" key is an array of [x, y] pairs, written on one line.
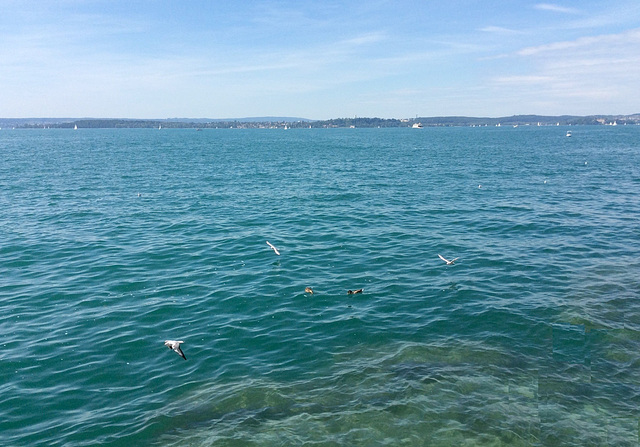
{"points": [[449, 121]]}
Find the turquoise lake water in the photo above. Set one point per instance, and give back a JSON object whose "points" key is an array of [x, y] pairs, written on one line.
{"points": [[112, 241]]}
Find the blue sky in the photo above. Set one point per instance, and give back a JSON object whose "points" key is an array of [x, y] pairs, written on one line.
{"points": [[318, 59]]}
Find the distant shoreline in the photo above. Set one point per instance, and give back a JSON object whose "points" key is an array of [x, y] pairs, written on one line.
{"points": [[284, 123]]}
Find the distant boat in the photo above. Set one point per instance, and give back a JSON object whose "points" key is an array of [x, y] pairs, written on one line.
{"points": [[160, 127], [568, 133], [75, 127], [417, 126]]}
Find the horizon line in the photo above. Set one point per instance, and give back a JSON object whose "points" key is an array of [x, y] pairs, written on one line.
{"points": [[287, 118]]}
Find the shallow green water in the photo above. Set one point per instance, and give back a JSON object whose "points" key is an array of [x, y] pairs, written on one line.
{"points": [[112, 241]]}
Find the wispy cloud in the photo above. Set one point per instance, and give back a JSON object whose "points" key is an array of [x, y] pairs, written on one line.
{"points": [[95, 58], [556, 8], [365, 39], [523, 79], [610, 43], [600, 67], [499, 30]]}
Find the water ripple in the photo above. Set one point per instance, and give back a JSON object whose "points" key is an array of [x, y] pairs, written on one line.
{"points": [[113, 241]]}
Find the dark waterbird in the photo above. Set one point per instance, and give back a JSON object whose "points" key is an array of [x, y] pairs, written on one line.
{"points": [[351, 292]]}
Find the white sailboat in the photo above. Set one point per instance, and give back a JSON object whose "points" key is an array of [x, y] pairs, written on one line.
{"points": [[75, 127]]}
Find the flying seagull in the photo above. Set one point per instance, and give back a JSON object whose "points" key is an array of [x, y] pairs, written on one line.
{"points": [[447, 261], [274, 248], [175, 345]]}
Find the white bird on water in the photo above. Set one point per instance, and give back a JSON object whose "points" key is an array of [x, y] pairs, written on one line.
{"points": [[175, 345], [274, 248], [447, 261]]}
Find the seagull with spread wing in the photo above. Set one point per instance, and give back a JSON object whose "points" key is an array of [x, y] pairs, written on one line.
{"points": [[273, 248], [175, 345], [447, 261]]}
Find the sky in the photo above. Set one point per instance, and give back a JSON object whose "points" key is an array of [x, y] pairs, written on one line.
{"points": [[318, 59]]}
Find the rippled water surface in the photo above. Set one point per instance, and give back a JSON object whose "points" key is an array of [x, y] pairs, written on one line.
{"points": [[112, 241]]}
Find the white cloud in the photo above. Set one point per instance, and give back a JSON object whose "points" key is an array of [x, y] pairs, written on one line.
{"points": [[523, 79], [364, 39], [556, 8], [499, 30], [608, 43], [596, 74], [83, 60]]}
